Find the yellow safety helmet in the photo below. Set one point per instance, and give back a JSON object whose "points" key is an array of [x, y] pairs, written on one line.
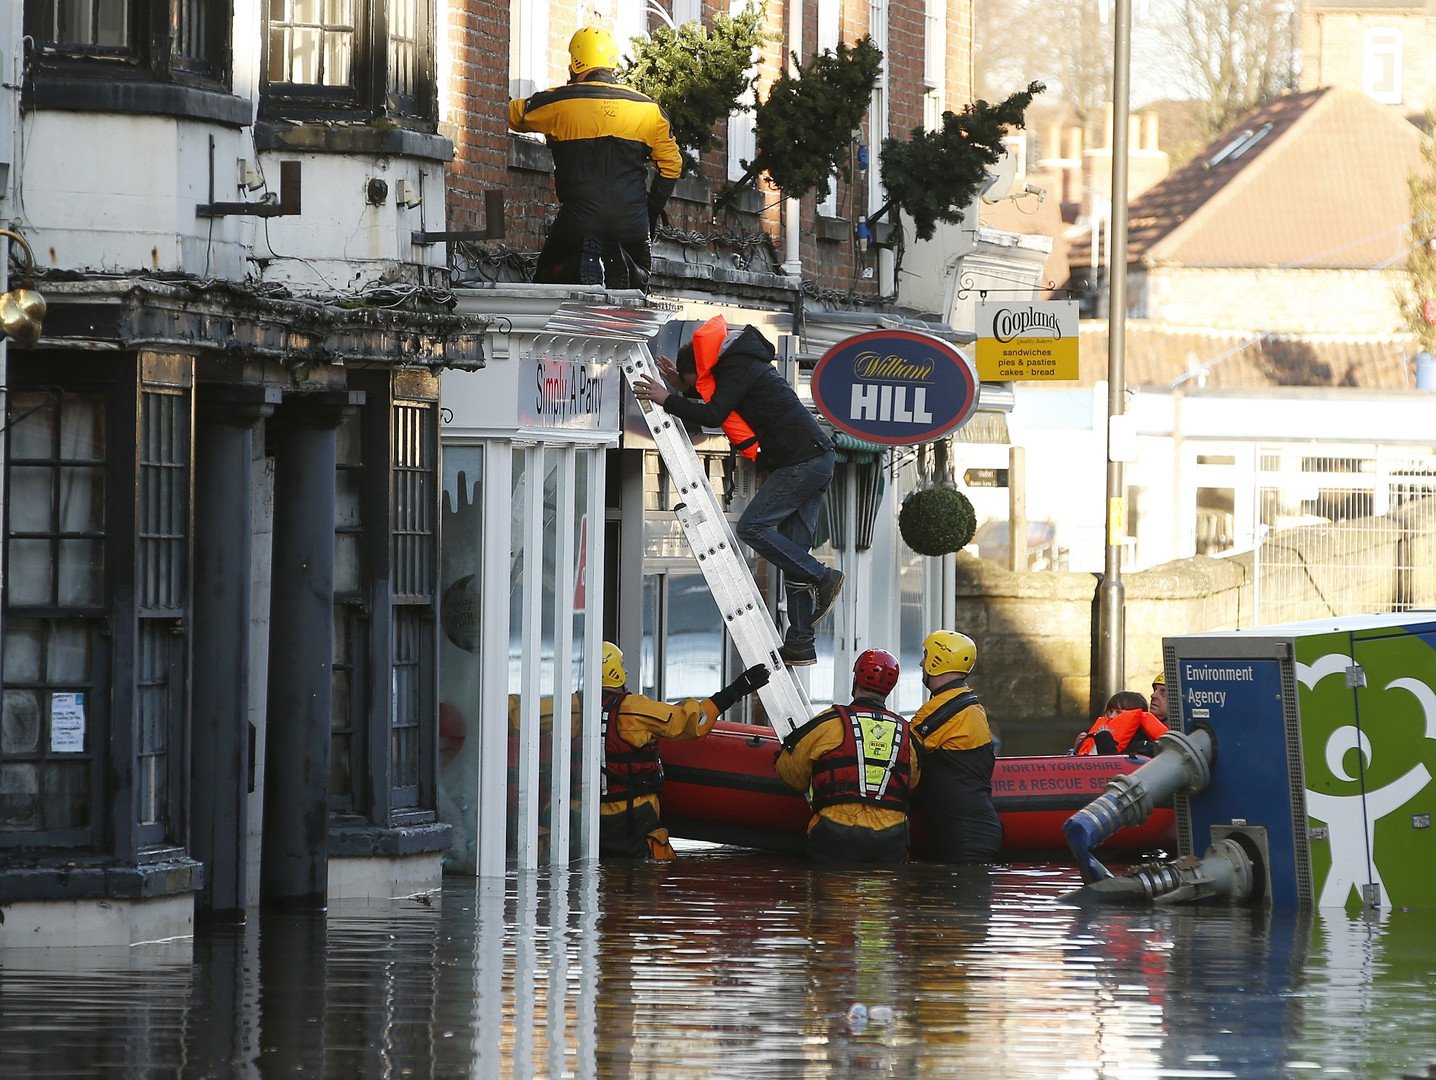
{"points": [[948, 651], [1161, 679], [613, 673], [591, 47]]}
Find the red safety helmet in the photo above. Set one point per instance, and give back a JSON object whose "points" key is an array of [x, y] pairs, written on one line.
{"points": [[876, 670]]}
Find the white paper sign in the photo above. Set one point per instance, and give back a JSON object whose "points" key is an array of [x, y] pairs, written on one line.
{"points": [[67, 723]]}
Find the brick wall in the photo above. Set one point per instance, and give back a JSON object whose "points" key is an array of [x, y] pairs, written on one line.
{"points": [[479, 90], [1333, 47]]}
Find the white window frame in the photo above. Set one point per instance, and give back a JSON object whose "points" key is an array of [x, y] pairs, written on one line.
{"points": [[686, 11], [934, 63], [528, 48], [742, 135], [878, 110], [625, 19], [1381, 65], [830, 32]]}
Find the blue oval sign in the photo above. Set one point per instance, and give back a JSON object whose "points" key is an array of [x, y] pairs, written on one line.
{"points": [[895, 386]]}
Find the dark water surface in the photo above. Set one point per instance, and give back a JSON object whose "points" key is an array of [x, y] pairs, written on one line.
{"points": [[737, 965]]}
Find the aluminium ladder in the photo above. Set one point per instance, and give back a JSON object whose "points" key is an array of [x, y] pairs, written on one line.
{"points": [[699, 513], [745, 615]]}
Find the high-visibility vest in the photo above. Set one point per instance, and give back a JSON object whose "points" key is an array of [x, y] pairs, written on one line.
{"points": [[708, 342], [873, 765]]}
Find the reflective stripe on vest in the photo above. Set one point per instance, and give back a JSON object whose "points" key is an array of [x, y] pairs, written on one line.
{"points": [[873, 764], [708, 342], [628, 771]]}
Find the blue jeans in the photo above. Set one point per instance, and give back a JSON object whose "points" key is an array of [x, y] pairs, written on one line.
{"points": [[780, 524]]}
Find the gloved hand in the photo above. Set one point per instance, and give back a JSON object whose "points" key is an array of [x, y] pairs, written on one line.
{"points": [[741, 687]]}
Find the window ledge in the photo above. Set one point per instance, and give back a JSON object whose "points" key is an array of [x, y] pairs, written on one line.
{"points": [[137, 97], [748, 201], [834, 228], [531, 155], [351, 841], [58, 878], [693, 189], [351, 138]]}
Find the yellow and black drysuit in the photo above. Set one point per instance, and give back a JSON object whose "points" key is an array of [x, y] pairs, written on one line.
{"points": [[856, 765], [955, 746], [602, 136]]}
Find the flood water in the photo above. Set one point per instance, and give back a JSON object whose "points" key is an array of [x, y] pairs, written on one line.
{"points": [[730, 964]]}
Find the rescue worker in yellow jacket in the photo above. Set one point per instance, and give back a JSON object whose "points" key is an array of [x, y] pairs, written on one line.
{"points": [[629, 823], [957, 753], [856, 764], [602, 136]]}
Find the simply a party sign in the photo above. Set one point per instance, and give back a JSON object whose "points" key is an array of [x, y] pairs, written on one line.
{"points": [[896, 387]]}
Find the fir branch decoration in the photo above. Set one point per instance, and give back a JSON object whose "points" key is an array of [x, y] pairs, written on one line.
{"points": [[937, 520], [698, 75], [935, 176], [805, 125]]}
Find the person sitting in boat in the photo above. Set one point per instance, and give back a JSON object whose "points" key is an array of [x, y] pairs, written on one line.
{"points": [[629, 823], [957, 752], [856, 765], [1125, 728], [1158, 707]]}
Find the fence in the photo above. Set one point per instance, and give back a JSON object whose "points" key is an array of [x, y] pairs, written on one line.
{"points": [[1342, 534]]}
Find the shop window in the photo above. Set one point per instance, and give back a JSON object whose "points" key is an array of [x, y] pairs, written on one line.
{"points": [[53, 730], [349, 674], [333, 59], [742, 135]]}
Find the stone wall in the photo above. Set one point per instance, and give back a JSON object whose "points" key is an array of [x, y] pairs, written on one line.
{"points": [[1036, 633]]}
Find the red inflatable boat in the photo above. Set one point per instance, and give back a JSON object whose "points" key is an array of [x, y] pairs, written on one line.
{"points": [[723, 789]]}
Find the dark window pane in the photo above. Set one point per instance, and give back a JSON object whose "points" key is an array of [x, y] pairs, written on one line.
{"points": [[67, 795], [32, 424], [81, 573], [82, 429], [67, 659], [20, 723], [22, 650], [30, 510], [30, 576], [19, 797], [82, 499]]}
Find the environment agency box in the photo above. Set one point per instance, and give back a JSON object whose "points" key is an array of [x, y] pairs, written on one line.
{"points": [[1325, 749]]}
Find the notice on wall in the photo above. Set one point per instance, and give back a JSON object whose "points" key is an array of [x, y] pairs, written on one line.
{"points": [[67, 723], [1033, 340]]}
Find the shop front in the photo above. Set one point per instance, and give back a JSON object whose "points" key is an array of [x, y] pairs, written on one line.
{"points": [[522, 599]]}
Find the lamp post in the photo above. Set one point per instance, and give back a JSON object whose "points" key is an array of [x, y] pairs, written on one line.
{"points": [[1110, 612]]}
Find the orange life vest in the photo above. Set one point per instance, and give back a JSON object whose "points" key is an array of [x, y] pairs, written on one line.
{"points": [[707, 345]]}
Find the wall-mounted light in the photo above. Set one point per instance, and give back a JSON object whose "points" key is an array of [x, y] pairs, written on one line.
{"points": [[250, 178], [22, 309], [407, 195]]}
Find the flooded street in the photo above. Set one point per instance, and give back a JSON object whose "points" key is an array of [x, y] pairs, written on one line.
{"points": [[728, 964]]}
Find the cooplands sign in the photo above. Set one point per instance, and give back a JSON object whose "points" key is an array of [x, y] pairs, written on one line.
{"points": [[895, 386]]}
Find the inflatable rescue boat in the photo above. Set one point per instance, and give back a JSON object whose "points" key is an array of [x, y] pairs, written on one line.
{"points": [[723, 789]]}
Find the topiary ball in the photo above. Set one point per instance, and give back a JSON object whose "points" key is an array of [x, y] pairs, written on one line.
{"points": [[937, 521]]}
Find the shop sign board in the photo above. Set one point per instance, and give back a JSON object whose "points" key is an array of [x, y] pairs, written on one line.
{"points": [[1032, 340], [897, 387]]}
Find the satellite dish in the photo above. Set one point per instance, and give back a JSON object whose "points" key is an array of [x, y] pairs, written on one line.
{"points": [[1001, 177]]}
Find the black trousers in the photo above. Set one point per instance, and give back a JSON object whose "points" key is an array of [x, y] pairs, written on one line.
{"points": [[625, 262], [625, 835], [831, 844]]}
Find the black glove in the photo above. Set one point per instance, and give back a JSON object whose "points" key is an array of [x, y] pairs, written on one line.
{"points": [[741, 687]]}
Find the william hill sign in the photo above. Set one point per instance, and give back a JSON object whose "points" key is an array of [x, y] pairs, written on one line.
{"points": [[895, 386]]}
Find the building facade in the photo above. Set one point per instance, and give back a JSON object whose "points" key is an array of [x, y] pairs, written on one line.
{"points": [[317, 508]]}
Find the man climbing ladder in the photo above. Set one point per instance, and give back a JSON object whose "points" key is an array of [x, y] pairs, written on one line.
{"points": [[738, 389]]}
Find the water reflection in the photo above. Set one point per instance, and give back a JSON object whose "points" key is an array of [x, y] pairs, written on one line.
{"points": [[738, 965]]}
